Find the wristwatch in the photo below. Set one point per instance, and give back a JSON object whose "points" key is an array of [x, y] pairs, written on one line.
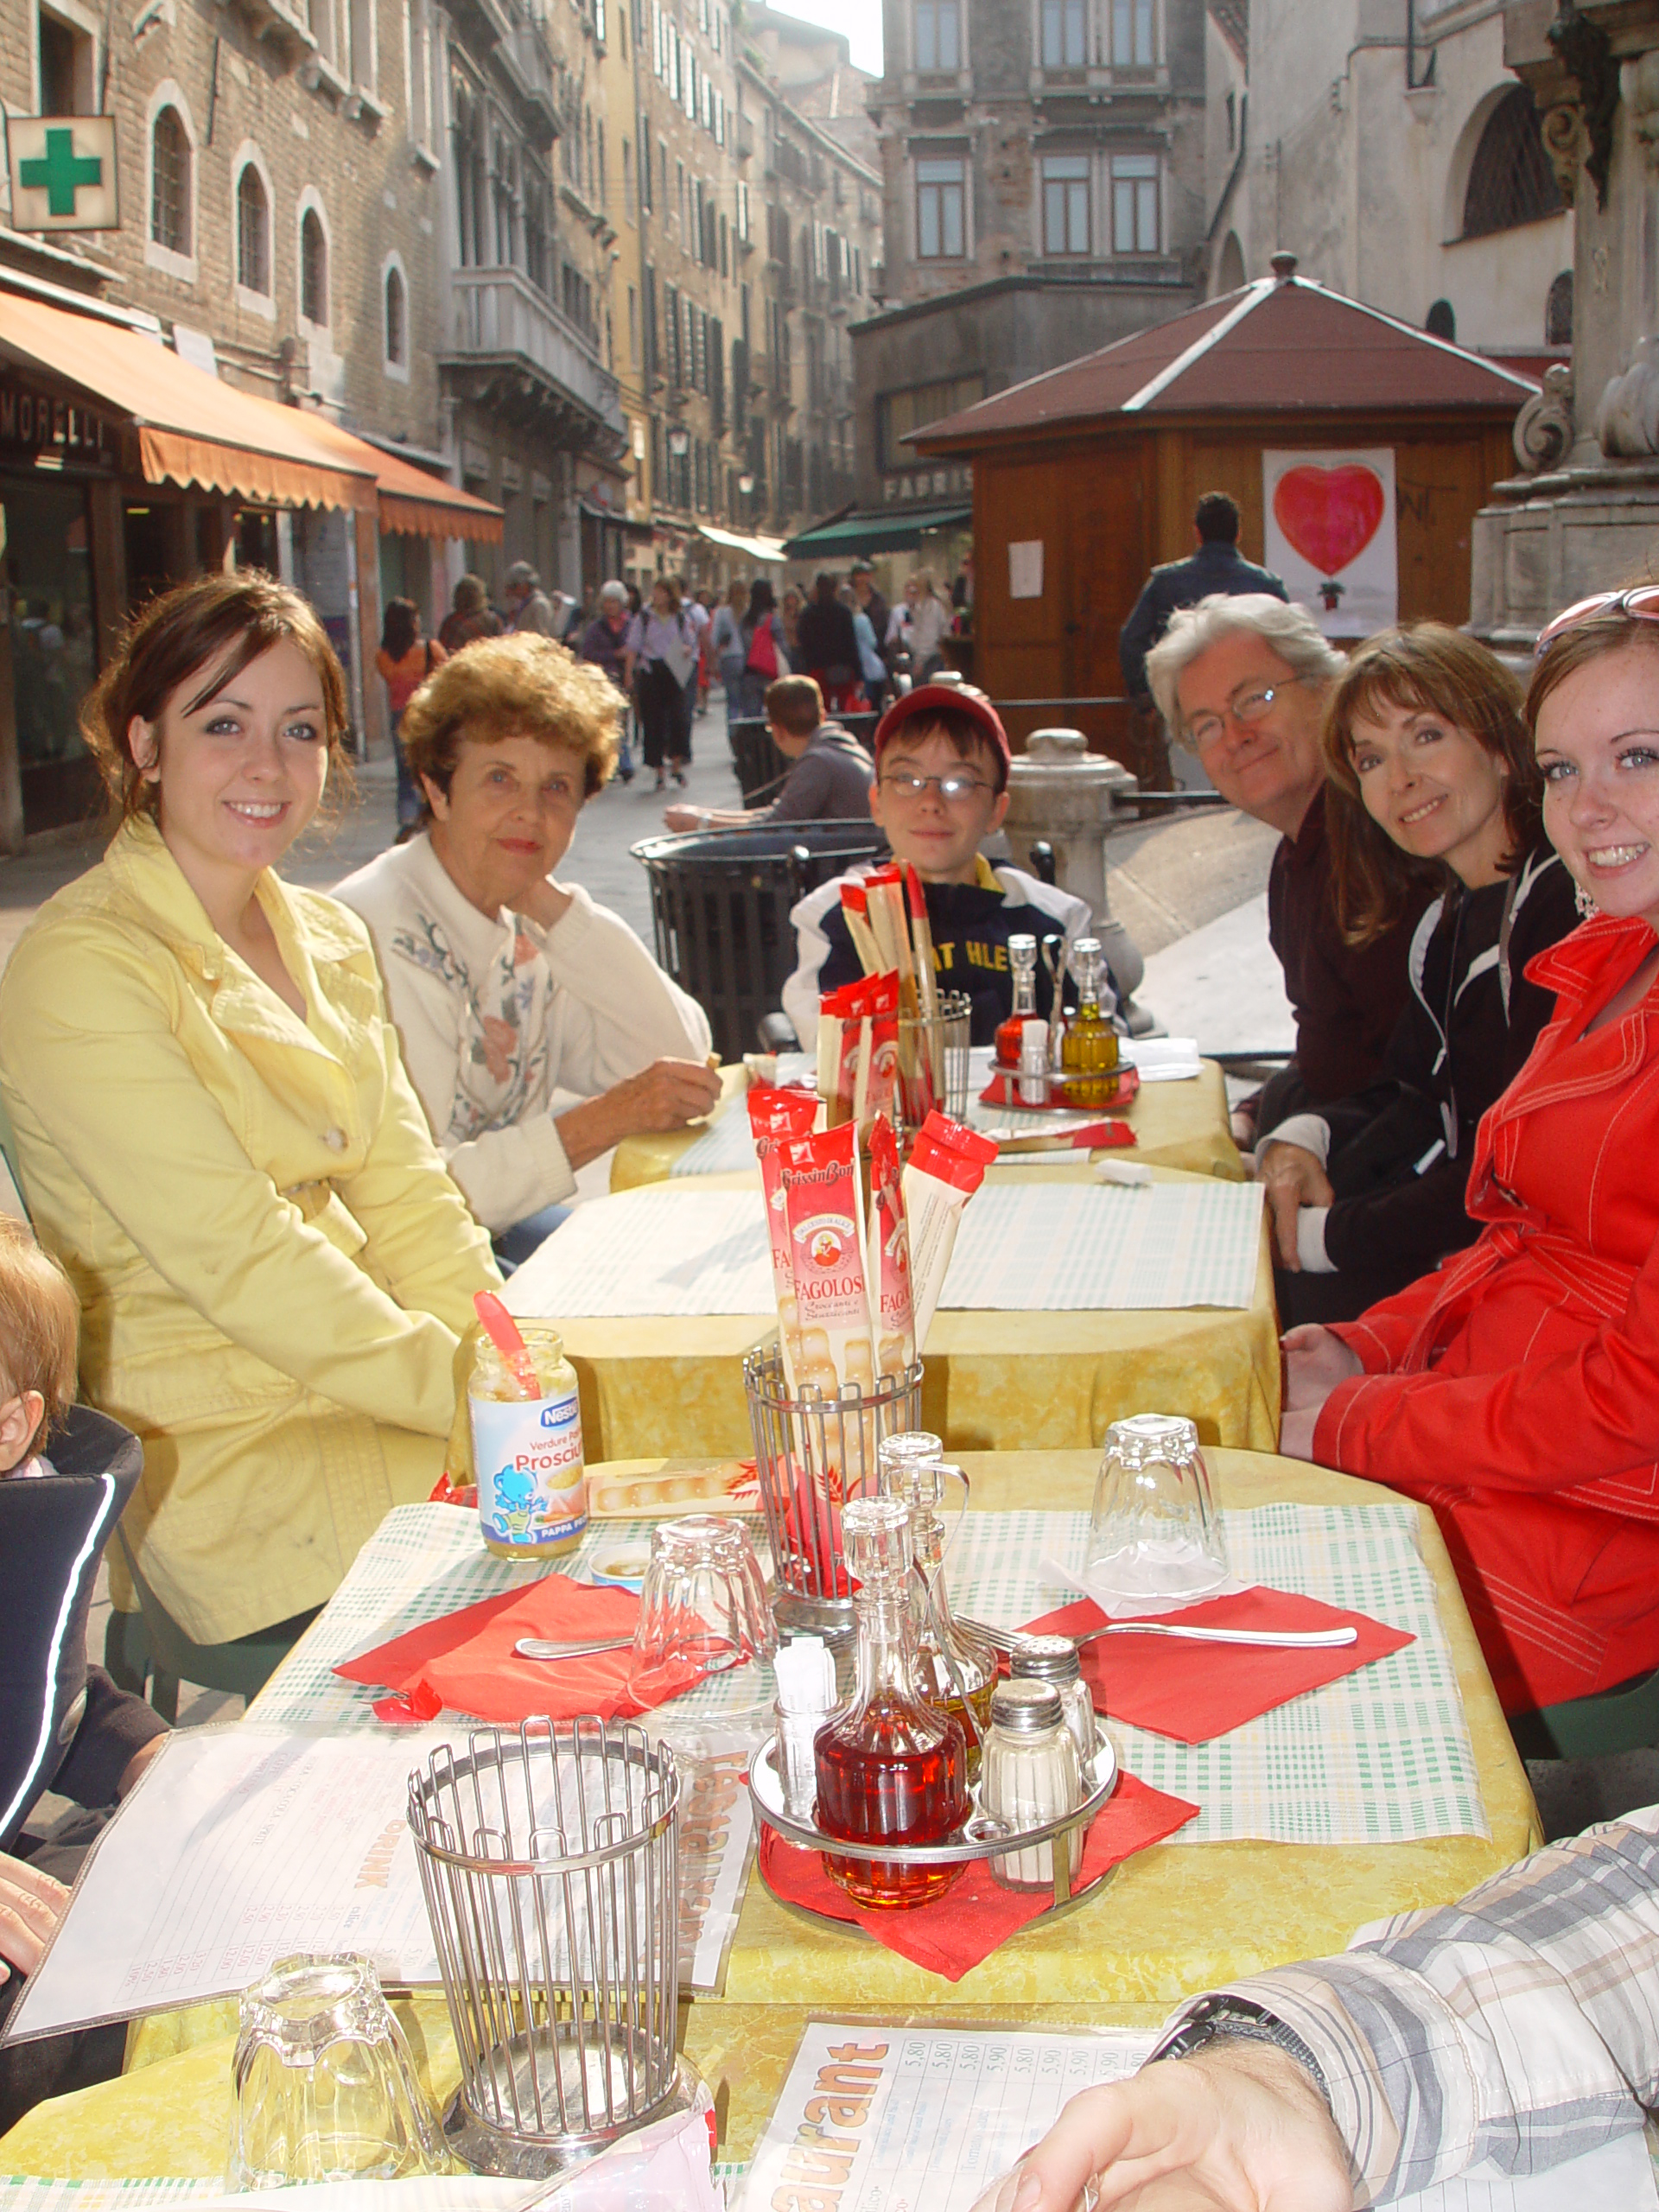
{"points": [[1239, 2020]]}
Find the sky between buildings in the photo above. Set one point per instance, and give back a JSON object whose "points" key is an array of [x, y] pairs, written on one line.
{"points": [[860, 19]]}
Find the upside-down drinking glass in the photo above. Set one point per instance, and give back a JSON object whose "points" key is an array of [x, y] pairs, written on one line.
{"points": [[1153, 1533], [703, 1604], [323, 2088]]}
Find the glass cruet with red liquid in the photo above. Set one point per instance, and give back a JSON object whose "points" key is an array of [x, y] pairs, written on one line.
{"points": [[1010, 1036], [890, 1767]]}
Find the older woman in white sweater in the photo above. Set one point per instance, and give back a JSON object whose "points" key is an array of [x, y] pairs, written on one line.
{"points": [[506, 985]]}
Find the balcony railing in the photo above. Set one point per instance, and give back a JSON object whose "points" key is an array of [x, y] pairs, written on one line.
{"points": [[500, 314]]}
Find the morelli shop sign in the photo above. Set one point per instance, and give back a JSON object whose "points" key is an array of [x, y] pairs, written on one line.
{"points": [[34, 422]]}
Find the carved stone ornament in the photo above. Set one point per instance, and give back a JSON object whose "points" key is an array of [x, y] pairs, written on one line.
{"points": [[1627, 422], [1543, 428], [1567, 141], [1643, 96], [1586, 52]]}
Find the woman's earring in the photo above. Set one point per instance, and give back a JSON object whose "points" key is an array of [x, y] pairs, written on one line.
{"points": [[1586, 905]]}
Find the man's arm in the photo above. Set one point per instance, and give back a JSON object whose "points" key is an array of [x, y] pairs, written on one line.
{"points": [[1135, 640], [1519, 2027]]}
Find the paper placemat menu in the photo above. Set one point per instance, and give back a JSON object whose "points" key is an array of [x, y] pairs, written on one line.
{"points": [[1020, 1249], [1082, 1248], [932, 2116], [655, 1250]]}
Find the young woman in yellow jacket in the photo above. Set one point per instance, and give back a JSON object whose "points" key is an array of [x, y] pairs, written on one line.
{"points": [[217, 1137]]}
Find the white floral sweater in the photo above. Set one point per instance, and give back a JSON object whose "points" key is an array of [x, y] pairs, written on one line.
{"points": [[494, 1016]]}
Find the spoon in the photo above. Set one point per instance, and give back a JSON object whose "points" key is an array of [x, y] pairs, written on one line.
{"points": [[1289, 1639]]}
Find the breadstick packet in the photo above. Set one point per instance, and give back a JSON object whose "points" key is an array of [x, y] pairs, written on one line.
{"points": [[774, 1114], [947, 1166], [887, 1244], [825, 1214]]}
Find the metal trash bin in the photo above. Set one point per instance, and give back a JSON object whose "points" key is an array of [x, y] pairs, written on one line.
{"points": [[761, 767], [720, 902]]}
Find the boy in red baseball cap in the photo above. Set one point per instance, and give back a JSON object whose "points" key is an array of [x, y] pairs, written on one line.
{"points": [[941, 788]]}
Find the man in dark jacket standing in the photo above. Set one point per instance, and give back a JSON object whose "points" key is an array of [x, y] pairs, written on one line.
{"points": [[1218, 566]]}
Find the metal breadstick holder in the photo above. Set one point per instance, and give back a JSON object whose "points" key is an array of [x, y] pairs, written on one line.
{"points": [[550, 1858], [940, 1043], [812, 1452]]}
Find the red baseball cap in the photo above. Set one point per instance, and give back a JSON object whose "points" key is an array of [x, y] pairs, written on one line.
{"points": [[931, 700]]}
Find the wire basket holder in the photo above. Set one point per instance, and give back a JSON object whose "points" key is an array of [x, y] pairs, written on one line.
{"points": [[813, 1451], [550, 1861], [933, 1063]]}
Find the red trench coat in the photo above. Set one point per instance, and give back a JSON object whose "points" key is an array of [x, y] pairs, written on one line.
{"points": [[1517, 1389]]}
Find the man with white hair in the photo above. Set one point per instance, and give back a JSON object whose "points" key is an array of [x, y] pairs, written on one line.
{"points": [[1244, 679]]}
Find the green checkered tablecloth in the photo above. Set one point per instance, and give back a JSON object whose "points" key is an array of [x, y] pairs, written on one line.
{"points": [[1381, 1756]]}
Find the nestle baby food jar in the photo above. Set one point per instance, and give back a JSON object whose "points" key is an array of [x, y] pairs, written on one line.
{"points": [[532, 1492]]}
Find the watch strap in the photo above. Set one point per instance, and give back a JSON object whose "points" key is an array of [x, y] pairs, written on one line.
{"points": [[1224, 2019]]}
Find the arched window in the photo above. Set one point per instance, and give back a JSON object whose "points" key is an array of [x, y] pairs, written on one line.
{"points": [[1558, 311], [252, 232], [397, 320], [1511, 180], [1442, 321], [169, 183], [314, 269]]}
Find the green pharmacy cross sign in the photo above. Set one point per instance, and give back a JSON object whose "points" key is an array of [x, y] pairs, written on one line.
{"points": [[61, 173]]}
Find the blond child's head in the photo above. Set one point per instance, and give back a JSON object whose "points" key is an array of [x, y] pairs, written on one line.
{"points": [[40, 1329]]}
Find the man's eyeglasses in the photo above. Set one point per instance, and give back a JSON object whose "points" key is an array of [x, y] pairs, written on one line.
{"points": [[1642, 602], [953, 790], [1248, 707]]}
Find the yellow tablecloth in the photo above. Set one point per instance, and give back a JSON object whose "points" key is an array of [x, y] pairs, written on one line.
{"points": [[672, 1387], [1176, 1919], [1175, 1124]]}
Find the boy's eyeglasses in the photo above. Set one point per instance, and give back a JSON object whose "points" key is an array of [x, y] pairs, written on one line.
{"points": [[1208, 729], [1642, 602], [953, 790]]}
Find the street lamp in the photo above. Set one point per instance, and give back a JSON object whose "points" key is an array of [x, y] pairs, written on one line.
{"points": [[679, 443]]}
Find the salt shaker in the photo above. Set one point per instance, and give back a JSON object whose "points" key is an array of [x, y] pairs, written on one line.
{"points": [[1033, 1063], [806, 1673], [1057, 1660], [1031, 1774]]}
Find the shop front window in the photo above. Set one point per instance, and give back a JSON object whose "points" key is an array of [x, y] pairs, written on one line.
{"points": [[50, 616]]}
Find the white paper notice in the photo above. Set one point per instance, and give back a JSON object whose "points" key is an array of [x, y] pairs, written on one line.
{"points": [[891, 2120], [244, 1844], [1025, 569]]}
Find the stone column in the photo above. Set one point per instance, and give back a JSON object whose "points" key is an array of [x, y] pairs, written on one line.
{"points": [[1582, 513]]}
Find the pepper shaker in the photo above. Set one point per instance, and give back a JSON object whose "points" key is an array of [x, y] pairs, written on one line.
{"points": [[1031, 1774], [1057, 1660]]}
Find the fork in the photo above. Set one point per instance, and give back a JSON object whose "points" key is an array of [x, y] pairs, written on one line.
{"points": [[1288, 1639]]}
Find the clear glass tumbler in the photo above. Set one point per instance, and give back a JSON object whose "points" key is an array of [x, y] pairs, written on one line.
{"points": [[1154, 1533], [703, 1604], [323, 2088]]}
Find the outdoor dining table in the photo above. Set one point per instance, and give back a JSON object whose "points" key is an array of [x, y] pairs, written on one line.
{"points": [[1181, 1124], [672, 1385], [1271, 1871]]}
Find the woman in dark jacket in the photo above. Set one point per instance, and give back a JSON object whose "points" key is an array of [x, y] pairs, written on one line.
{"points": [[763, 664], [1430, 771]]}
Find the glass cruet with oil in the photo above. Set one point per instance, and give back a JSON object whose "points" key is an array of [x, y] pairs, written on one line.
{"points": [[956, 1668], [1088, 1051]]}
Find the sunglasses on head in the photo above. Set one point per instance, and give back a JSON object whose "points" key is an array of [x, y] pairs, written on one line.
{"points": [[1641, 602]]}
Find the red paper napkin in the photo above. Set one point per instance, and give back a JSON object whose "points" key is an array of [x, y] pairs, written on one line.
{"points": [[975, 1916], [1003, 1089], [1195, 1691], [466, 1661]]}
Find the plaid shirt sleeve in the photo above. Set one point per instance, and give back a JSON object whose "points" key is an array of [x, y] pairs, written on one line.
{"points": [[1519, 2026]]}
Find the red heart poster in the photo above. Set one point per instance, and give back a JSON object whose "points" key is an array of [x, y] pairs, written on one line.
{"points": [[1330, 533]]}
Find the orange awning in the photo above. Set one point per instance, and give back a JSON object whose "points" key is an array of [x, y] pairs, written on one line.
{"points": [[411, 500], [192, 428]]}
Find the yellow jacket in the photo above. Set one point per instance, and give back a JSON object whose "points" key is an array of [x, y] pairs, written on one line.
{"points": [[272, 1261]]}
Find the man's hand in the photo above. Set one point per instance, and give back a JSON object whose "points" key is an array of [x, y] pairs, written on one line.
{"points": [[1316, 1360], [685, 817], [31, 1905], [665, 1095], [1238, 2127], [133, 1773], [1292, 1177]]}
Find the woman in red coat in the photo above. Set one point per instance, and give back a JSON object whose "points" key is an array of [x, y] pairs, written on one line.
{"points": [[1517, 1389]]}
